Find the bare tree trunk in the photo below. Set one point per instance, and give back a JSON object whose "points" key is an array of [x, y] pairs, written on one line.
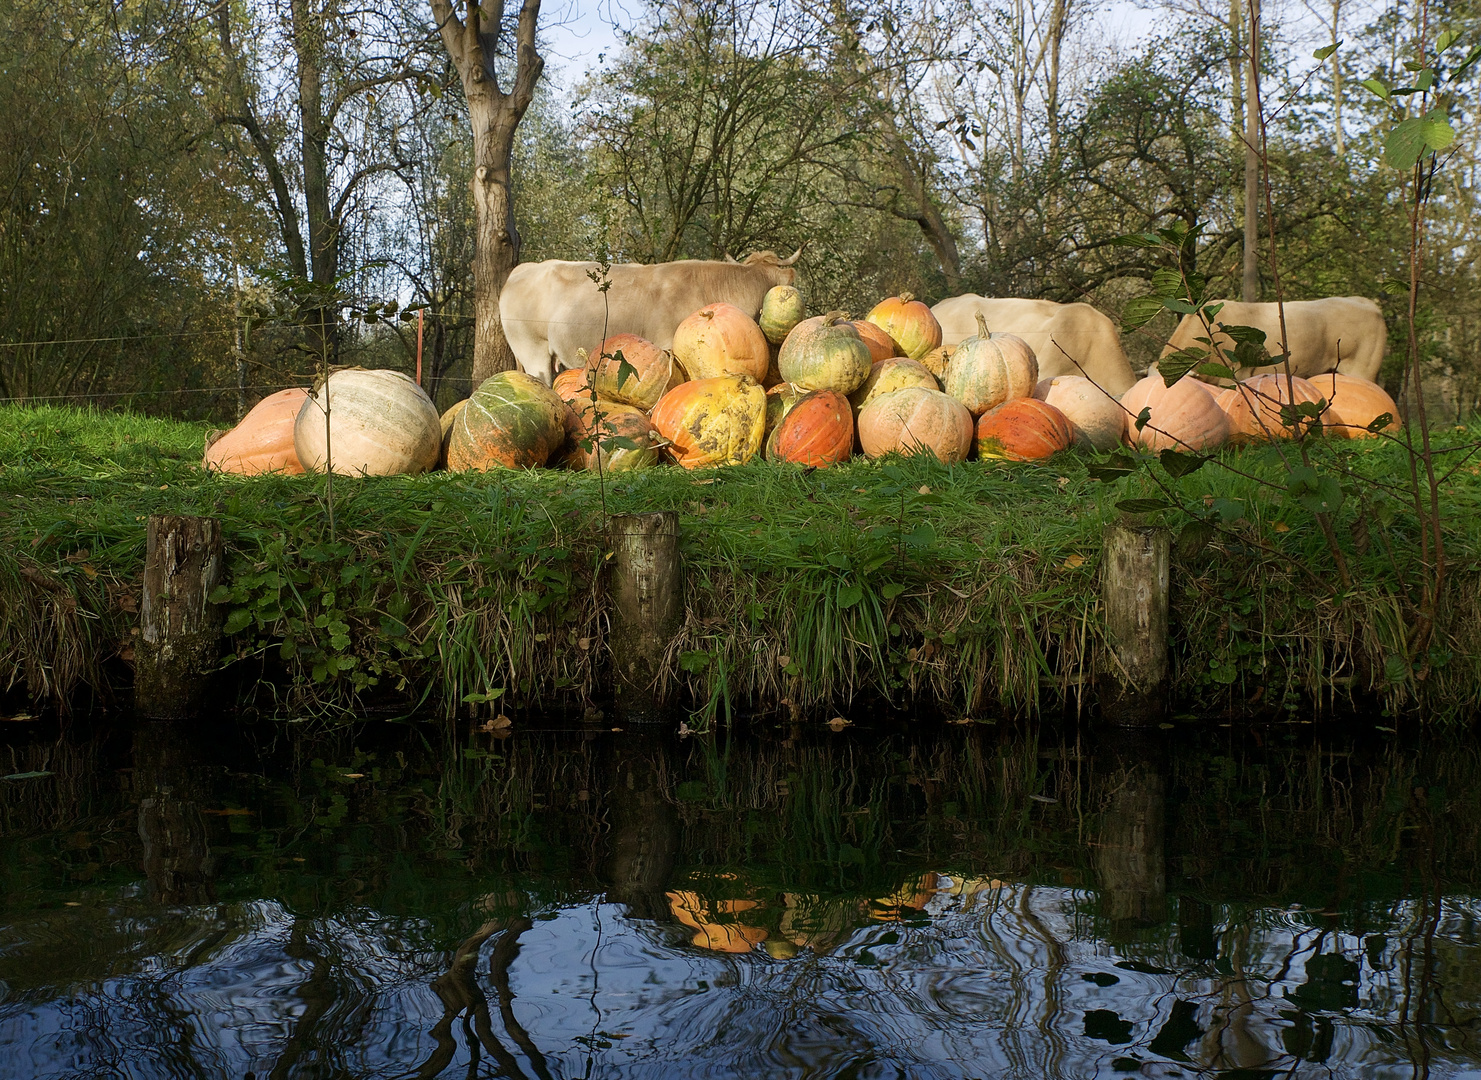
{"points": [[1250, 290], [1059, 21], [315, 127], [473, 43], [1337, 76]]}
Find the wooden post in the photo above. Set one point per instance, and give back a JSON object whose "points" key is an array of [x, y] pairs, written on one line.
{"points": [[179, 628], [647, 588], [1134, 589]]}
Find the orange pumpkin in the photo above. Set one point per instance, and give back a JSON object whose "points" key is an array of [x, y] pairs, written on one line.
{"points": [[652, 369], [1094, 415], [721, 339], [1254, 405], [624, 440], [909, 322], [512, 420], [1024, 429], [263, 441], [448, 419], [717, 929], [1354, 404], [1184, 416], [712, 421], [572, 386], [989, 369], [916, 420], [887, 376], [881, 345], [818, 431], [824, 353]]}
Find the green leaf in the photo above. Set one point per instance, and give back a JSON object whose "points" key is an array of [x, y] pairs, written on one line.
{"points": [[1143, 506], [1396, 668], [1445, 40], [1471, 58], [1194, 538], [1139, 311], [1381, 421], [1410, 138], [849, 595], [1138, 240], [1113, 468], [694, 661], [1174, 366], [1394, 287], [892, 590], [1325, 51], [1377, 87], [1212, 370], [220, 594], [1144, 417], [1179, 464], [237, 621], [1426, 80]]}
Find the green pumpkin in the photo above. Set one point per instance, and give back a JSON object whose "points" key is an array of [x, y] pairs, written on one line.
{"points": [[781, 310], [825, 353]]}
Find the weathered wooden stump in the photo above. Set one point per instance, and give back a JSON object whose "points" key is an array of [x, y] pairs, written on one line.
{"points": [[647, 590], [1135, 566], [179, 627]]}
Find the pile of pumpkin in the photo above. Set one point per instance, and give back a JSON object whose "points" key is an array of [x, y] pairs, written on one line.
{"points": [[805, 390]]}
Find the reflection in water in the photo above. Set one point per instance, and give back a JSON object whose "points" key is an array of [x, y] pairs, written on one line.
{"points": [[929, 904]]}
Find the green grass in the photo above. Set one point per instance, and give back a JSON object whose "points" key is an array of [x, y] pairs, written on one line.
{"points": [[970, 589]]}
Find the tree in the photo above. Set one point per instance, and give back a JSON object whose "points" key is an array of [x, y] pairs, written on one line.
{"points": [[476, 42]]}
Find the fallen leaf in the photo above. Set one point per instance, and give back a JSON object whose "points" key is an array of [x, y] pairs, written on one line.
{"points": [[73, 903], [1281, 526], [701, 483], [353, 775], [498, 723], [617, 729], [925, 489], [18, 718], [1074, 562], [583, 644], [838, 723], [783, 660]]}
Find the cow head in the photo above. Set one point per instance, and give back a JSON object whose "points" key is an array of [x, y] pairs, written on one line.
{"points": [[781, 271]]}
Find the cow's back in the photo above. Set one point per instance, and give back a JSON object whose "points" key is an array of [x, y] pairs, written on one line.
{"points": [[1068, 339], [1334, 333]]}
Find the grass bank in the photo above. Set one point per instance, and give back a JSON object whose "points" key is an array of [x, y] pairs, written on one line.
{"points": [[970, 589]]}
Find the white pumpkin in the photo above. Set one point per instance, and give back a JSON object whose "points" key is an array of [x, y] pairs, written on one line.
{"points": [[1095, 415], [381, 423]]}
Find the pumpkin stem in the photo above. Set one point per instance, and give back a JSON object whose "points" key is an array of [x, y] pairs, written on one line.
{"points": [[982, 331], [906, 297], [835, 316]]}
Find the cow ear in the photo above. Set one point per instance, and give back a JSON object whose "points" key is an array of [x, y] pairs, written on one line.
{"points": [[729, 257], [790, 259]]}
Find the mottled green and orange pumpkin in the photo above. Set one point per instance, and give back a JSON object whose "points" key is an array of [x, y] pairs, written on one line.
{"points": [[623, 440], [909, 322], [887, 376], [989, 369], [719, 340], [380, 423], [512, 420], [1095, 416], [717, 421], [825, 353], [652, 369], [1024, 429], [448, 419], [1354, 404], [916, 420], [1183, 416], [782, 308], [818, 431], [881, 345], [263, 441]]}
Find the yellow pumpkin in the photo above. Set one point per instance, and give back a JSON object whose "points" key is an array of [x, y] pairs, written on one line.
{"points": [[781, 309], [1184, 416], [719, 340], [887, 376], [717, 421], [909, 322], [989, 369]]}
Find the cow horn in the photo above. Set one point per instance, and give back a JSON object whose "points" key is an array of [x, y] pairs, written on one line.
{"points": [[790, 259], [729, 257]]}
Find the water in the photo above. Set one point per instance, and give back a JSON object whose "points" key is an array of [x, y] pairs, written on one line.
{"points": [[935, 902]]}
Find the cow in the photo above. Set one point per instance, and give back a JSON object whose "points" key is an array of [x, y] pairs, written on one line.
{"points": [[1068, 339], [1337, 333], [551, 309]]}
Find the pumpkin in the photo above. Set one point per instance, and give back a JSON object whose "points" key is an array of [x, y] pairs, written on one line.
{"points": [[512, 420], [448, 419], [1024, 429], [825, 353], [1253, 407], [887, 376], [937, 360], [1354, 404], [263, 441], [572, 386], [717, 928], [716, 421], [620, 425], [381, 423], [914, 420], [781, 309], [718, 340], [779, 401], [1095, 416], [909, 322], [989, 369], [1184, 416], [881, 345], [817, 431], [653, 368]]}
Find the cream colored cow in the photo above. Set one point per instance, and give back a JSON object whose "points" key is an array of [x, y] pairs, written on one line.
{"points": [[1068, 339], [1338, 333], [551, 309]]}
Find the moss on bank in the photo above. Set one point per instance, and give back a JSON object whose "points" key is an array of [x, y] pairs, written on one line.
{"points": [[969, 589]]}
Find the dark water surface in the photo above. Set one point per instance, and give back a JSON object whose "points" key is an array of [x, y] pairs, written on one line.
{"points": [[204, 901]]}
